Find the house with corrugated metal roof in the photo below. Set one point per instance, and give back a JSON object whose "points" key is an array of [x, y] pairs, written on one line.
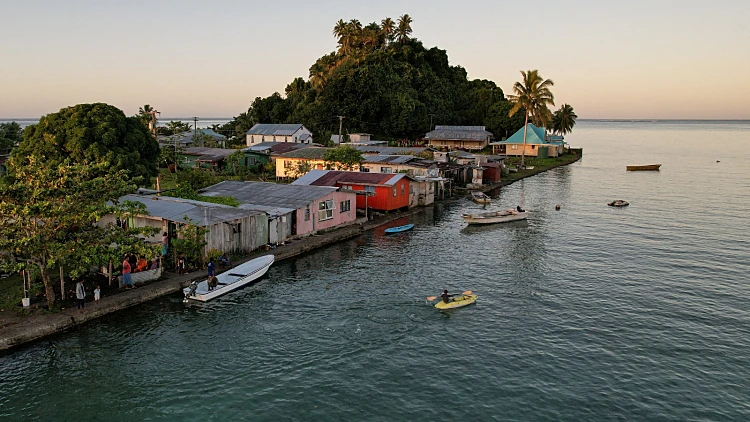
{"points": [[459, 137], [295, 133], [290, 164], [229, 228], [377, 191], [264, 152], [200, 157], [538, 143], [192, 137], [293, 210], [391, 164]]}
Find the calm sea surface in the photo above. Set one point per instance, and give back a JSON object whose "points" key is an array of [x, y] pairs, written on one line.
{"points": [[585, 314]]}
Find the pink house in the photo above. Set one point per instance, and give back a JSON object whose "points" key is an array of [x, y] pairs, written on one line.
{"points": [[292, 210]]}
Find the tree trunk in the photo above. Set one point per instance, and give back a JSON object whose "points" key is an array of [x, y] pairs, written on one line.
{"points": [[62, 284], [49, 291], [109, 273], [523, 151]]}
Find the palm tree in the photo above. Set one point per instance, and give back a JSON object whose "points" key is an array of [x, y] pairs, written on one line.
{"points": [[533, 95], [340, 31], [564, 119], [388, 28], [404, 29]]}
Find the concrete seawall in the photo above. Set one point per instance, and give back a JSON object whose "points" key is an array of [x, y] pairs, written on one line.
{"points": [[28, 329]]}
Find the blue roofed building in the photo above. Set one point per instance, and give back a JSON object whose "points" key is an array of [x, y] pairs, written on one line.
{"points": [[538, 144]]}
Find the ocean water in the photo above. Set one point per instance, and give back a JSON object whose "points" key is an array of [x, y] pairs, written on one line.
{"points": [[589, 313]]}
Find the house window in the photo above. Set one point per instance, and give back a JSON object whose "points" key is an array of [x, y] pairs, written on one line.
{"points": [[345, 205], [370, 189], [325, 210], [533, 147], [287, 164], [386, 170], [365, 169], [514, 147], [307, 213], [394, 191], [402, 189]]}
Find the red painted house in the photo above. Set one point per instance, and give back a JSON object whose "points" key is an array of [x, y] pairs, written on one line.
{"points": [[386, 191]]}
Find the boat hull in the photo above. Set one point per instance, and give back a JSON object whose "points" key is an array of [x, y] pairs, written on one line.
{"points": [[650, 167], [495, 217], [457, 302], [619, 203], [231, 280], [480, 198], [399, 229]]}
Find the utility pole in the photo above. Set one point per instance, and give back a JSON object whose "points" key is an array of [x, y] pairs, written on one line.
{"points": [[341, 125], [430, 122], [195, 129]]}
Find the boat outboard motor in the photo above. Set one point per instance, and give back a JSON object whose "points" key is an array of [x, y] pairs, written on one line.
{"points": [[193, 287]]}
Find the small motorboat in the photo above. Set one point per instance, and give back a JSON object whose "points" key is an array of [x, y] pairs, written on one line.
{"points": [[618, 203], [230, 280], [648, 167], [493, 217], [480, 197], [399, 229], [457, 302]]}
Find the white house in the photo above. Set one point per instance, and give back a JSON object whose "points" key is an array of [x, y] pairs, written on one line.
{"points": [[295, 133]]}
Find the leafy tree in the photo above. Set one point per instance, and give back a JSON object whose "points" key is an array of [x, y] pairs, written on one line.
{"points": [[388, 27], [564, 119], [176, 127], [404, 28], [50, 211], [10, 136], [343, 157], [533, 95], [91, 133], [191, 241], [301, 168]]}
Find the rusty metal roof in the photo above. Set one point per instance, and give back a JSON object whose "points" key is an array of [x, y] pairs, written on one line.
{"points": [[334, 177]]}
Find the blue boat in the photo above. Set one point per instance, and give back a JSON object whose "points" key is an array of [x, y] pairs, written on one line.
{"points": [[399, 229]]}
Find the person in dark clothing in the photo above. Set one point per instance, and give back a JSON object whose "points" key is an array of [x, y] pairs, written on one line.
{"points": [[446, 297], [519, 209], [212, 281]]}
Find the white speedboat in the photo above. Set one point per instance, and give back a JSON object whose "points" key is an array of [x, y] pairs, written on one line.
{"points": [[230, 280], [480, 197], [493, 217]]}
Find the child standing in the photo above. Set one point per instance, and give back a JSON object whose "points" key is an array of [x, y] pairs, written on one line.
{"points": [[181, 264], [97, 294]]}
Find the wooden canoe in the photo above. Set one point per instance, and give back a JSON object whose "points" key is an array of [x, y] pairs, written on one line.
{"points": [[648, 167]]}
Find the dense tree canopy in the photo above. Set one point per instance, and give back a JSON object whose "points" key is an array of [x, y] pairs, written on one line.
{"points": [[384, 82], [91, 133], [10, 136], [50, 213], [564, 119]]}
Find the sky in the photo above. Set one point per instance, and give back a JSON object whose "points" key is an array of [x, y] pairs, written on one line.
{"points": [[653, 59]]}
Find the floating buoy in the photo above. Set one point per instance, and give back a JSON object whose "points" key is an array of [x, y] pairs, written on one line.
{"points": [[557, 207]]}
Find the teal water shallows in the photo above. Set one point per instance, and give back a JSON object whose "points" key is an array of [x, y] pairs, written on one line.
{"points": [[589, 313]]}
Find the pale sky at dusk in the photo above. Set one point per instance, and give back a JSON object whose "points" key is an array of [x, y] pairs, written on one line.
{"points": [[636, 59]]}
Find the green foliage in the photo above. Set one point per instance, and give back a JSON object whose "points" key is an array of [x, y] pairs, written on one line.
{"points": [[343, 157], [223, 200], [214, 254], [10, 136], [195, 179], [191, 241], [91, 133], [564, 119], [175, 127], [300, 168], [51, 214], [233, 161], [533, 95], [384, 82], [187, 192]]}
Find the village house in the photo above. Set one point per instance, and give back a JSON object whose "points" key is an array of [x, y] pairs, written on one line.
{"points": [[459, 137], [229, 228], [295, 133], [538, 144], [265, 152], [378, 191], [288, 164], [193, 137], [207, 158], [384, 149], [390, 164], [293, 210]]}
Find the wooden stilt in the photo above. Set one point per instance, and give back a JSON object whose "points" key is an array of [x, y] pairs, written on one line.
{"points": [[62, 284]]}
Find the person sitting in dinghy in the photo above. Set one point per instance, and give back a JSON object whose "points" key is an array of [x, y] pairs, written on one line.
{"points": [[446, 297], [519, 209]]}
